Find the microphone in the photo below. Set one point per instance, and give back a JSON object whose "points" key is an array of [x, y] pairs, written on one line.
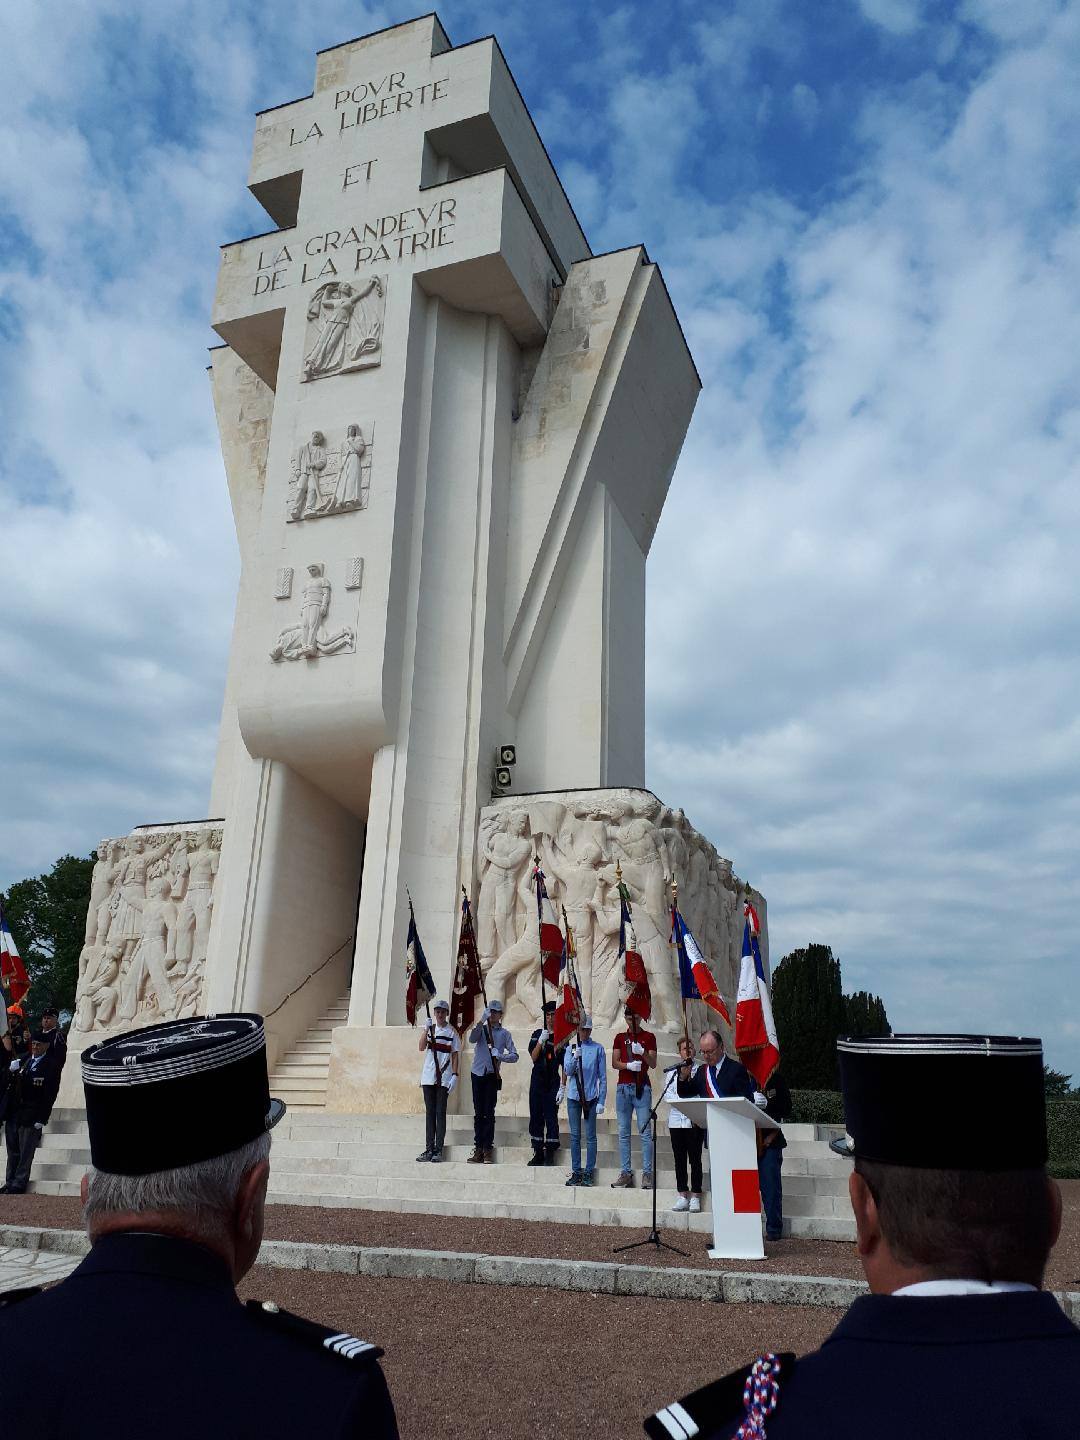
{"points": [[668, 1069]]}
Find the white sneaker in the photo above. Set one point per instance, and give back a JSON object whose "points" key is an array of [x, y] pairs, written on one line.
{"points": [[695, 1205], [682, 1203]]}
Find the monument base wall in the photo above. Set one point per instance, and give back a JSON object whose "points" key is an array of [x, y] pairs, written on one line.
{"points": [[377, 1072]]}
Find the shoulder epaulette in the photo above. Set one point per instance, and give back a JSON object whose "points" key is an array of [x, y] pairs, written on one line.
{"points": [[12, 1297], [336, 1342], [709, 1409]]}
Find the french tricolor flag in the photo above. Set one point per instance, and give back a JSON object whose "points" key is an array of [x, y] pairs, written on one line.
{"points": [[755, 1031], [12, 970]]}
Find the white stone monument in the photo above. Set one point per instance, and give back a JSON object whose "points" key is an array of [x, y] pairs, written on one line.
{"points": [[449, 431]]}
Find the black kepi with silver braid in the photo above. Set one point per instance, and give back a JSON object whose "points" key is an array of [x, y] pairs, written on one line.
{"points": [[944, 1102], [177, 1093]]}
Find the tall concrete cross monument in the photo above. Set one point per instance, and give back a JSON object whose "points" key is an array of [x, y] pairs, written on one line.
{"points": [[449, 431]]}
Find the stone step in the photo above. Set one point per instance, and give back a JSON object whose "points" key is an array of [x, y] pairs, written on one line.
{"points": [[302, 1067], [820, 1227], [310, 1047], [596, 1213], [588, 1207]]}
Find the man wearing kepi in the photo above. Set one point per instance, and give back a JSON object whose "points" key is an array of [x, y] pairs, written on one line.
{"points": [[440, 1047], [32, 1087], [494, 1048], [955, 1216], [148, 1335]]}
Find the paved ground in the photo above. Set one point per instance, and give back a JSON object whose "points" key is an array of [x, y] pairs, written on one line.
{"points": [[19, 1268], [568, 1242], [525, 1364]]}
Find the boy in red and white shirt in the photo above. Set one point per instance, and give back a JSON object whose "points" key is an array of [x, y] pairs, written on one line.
{"points": [[633, 1056]]}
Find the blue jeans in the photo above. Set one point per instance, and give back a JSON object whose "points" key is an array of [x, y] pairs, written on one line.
{"points": [[573, 1114], [772, 1194], [627, 1104]]}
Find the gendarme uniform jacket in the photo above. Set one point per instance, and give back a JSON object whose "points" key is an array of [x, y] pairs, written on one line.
{"points": [[32, 1089], [149, 1338], [951, 1367]]}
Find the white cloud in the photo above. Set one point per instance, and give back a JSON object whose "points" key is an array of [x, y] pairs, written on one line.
{"points": [[899, 17], [862, 595]]}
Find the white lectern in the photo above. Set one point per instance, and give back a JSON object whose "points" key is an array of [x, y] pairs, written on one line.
{"points": [[732, 1127]]}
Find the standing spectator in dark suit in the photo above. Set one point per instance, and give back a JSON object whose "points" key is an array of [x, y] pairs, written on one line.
{"points": [[32, 1087], [775, 1100]]}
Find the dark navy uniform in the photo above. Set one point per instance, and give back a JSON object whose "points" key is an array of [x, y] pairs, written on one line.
{"points": [[993, 1367], [148, 1337], [965, 1346], [543, 1098]]}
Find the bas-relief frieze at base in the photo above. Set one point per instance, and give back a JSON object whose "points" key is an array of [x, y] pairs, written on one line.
{"points": [[580, 837], [144, 952]]}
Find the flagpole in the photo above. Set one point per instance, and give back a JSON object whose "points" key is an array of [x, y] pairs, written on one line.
{"points": [[427, 1001], [540, 937], [467, 911], [674, 912]]}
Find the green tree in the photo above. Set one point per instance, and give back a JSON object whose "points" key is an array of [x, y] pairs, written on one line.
{"points": [[812, 1012], [864, 1014], [808, 1007], [47, 916], [1056, 1083]]}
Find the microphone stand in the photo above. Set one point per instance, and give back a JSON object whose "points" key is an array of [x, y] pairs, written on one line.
{"points": [[653, 1237]]}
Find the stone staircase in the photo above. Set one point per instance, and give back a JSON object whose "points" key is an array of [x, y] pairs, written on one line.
{"points": [[299, 1078], [368, 1162]]}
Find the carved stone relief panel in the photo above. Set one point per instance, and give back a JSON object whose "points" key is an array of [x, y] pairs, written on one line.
{"points": [[147, 928], [283, 583], [344, 327], [580, 838], [309, 638], [331, 477]]}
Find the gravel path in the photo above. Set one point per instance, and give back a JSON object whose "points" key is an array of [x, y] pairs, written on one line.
{"points": [[532, 1238], [531, 1364]]}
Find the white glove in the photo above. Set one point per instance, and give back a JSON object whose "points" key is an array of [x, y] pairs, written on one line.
{"points": [[14, 1065], [38, 1125], [636, 1048], [633, 1065], [486, 1016], [760, 1099], [543, 1037], [560, 1094], [451, 1081], [571, 1054], [599, 1109], [505, 1055]]}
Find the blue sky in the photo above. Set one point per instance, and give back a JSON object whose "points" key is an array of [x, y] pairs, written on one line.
{"points": [[863, 678]]}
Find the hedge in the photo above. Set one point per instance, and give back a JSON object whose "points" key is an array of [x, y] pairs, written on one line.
{"points": [[825, 1107], [817, 1107], [1063, 1135]]}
